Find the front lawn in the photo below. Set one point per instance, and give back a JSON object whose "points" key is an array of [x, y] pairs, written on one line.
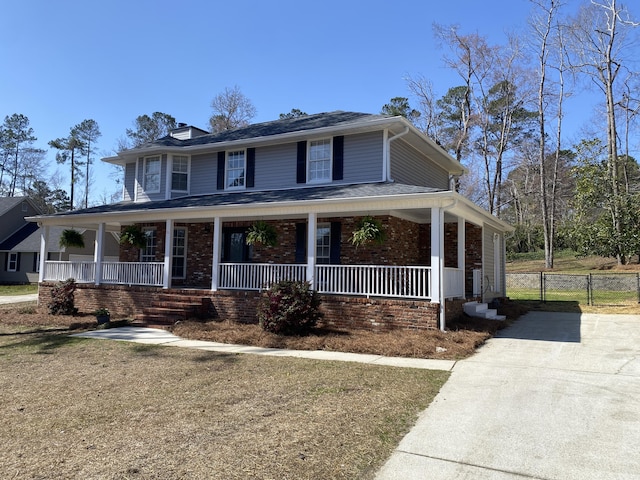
{"points": [[6, 290], [78, 408]]}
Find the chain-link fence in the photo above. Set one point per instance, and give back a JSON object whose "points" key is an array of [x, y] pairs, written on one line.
{"points": [[587, 289]]}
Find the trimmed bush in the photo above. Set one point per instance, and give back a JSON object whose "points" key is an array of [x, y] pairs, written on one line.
{"points": [[62, 298], [289, 308]]}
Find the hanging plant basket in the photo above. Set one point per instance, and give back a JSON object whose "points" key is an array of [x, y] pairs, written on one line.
{"points": [[132, 235], [262, 232], [71, 238], [368, 230]]}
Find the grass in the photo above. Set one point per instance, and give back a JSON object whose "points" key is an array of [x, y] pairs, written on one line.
{"points": [[6, 290], [76, 408], [565, 261]]}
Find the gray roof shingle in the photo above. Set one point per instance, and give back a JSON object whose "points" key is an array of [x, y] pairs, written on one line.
{"points": [[326, 192], [266, 129]]}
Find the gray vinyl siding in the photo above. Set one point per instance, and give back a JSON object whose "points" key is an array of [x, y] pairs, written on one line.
{"points": [[25, 274], [13, 219], [489, 263], [203, 173], [129, 182], [363, 158], [276, 167], [410, 167]]}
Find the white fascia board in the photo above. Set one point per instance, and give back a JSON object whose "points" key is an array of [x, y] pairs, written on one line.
{"points": [[451, 201]]}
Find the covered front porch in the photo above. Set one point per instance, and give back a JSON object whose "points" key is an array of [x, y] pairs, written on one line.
{"points": [[433, 251]]}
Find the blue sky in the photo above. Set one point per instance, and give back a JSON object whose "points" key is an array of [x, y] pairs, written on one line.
{"points": [[68, 60]]}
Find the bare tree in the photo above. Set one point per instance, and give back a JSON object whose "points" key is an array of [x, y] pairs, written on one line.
{"points": [[231, 109], [548, 40], [598, 40]]}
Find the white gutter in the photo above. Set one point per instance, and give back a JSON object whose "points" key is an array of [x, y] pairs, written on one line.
{"points": [[387, 161]]}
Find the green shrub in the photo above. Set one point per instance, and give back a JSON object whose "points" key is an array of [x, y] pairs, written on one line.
{"points": [[62, 298], [289, 308]]}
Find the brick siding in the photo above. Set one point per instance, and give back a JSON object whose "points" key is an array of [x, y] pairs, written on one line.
{"points": [[349, 313]]}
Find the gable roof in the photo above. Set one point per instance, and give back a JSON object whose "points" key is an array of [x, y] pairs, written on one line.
{"points": [[268, 129], [8, 203], [294, 129], [19, 236]]}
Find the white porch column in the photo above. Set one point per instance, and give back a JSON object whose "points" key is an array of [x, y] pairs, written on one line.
{"points": [[44, 247], [217, 249], [462, 252], [312, 227], [437, 260], [98, 252], [168, 250]]}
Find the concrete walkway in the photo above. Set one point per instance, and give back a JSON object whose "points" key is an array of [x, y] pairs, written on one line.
{"points": [[555, 396], [157, 336], [7, 299]]}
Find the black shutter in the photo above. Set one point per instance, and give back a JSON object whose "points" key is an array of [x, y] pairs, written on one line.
{"points": [[251, 167], [301, 243], [221, 161], [334, 254], [35, 263], [18, 262], [301, 163], [338, 157], [6, 261]]}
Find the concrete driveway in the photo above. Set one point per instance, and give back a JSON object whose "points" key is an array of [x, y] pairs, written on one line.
{"points": [[555, 396]]}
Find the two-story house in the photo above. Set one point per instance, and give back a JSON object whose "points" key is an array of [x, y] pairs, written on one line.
{"points": [[312, 178]]}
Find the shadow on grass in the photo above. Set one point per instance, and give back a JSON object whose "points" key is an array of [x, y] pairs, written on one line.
{"points": [[204, 357], [45, 343]]}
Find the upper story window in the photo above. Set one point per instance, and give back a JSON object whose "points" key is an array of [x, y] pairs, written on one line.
{"points": [[235, 170], [180, 173], [152, 174], [319, 161]]}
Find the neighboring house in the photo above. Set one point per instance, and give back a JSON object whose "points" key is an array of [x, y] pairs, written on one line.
{"points": [[313, 178], [20, 243]]}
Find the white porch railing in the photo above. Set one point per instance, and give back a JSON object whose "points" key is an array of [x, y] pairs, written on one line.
{"points": [[258, 276], [121, 273], [374, 280], [81, 272], [453, 283], [369, 280], [132, 273]]}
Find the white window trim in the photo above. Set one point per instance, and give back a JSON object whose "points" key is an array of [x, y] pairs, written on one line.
{"points": [[144, 173], [186, 240], [226, 170], [14, 261], [170, 188], [142, 250], [328, 257], [323, 180]]}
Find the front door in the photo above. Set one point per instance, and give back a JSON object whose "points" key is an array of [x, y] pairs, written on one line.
{"points": [[234, 245]]}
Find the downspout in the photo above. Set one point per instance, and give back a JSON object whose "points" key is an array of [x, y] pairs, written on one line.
{"points": [[387, 163]]}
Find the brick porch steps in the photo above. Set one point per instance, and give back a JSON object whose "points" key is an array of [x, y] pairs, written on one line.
{"points": [[169, 308]]}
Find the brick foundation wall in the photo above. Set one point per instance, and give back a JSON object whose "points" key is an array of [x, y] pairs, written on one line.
{"points": [[121, 301], [350, 313]]}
